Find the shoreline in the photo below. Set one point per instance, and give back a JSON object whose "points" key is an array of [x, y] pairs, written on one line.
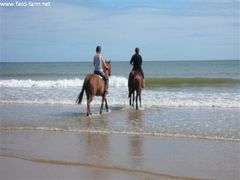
{"points": [[151, 134], [98, 167]]}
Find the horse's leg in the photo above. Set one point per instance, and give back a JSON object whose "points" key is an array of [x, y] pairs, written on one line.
{"points": [[106, 105], [133, 94], [89, 100], [102, 105], [137, 95], [140, 98], [130, 99]]}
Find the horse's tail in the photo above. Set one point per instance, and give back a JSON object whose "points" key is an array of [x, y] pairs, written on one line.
{"points": [[80, 96], [131, 86]]}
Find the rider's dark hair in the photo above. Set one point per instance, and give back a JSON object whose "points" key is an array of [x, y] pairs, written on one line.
{"points": [[137, 50], [98, 49]]}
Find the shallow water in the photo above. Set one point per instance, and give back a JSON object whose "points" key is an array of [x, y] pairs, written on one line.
{"points": [[206, 123]]}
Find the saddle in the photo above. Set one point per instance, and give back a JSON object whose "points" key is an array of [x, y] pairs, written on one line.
{"points": [[98, 75]]}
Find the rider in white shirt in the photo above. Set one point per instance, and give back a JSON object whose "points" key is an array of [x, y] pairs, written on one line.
{"points": [[99, 64]]}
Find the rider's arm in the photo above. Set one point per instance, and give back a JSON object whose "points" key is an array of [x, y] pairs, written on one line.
{"points": [[140, 59], [93, 61], [131, 62], [104, 63]]}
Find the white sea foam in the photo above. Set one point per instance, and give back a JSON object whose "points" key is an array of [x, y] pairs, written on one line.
{"points": [[65, 91], [13, 83], [149, 99], [114, 81]]}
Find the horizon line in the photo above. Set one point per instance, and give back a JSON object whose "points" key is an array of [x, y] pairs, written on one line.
{"points": [[73, 61]]}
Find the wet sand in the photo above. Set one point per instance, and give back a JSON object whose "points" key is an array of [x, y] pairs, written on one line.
{"points": [[44, 150], [64, 155]]}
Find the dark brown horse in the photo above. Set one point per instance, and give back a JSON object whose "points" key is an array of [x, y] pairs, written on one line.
{"points": [[94, 86], [135, 84]]}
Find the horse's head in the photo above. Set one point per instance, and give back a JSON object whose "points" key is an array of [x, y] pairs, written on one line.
{"points": [[109, 70]]}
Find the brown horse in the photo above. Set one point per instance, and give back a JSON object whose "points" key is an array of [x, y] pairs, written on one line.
{"points": [[94, 86], [135, 81]]}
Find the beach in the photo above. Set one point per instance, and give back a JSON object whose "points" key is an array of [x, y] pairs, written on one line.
{"points": [[115, 145], [185, 124]]}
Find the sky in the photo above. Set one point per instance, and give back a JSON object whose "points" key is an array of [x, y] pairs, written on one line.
{"points": [[164, 30]]}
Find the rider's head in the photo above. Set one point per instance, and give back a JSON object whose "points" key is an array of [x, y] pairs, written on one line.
{"points": [[137, 50], [98, 49]]}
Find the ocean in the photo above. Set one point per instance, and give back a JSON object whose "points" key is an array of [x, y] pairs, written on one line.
{"points": [[168, 84]]}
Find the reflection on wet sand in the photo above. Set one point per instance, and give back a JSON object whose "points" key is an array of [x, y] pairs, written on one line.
{"points": [[97, 149], [135, 142]]}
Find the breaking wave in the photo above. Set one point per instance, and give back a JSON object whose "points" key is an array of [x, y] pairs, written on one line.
{"points": [[118, 81], [15, 83], [194, 81], [65, 91]]}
